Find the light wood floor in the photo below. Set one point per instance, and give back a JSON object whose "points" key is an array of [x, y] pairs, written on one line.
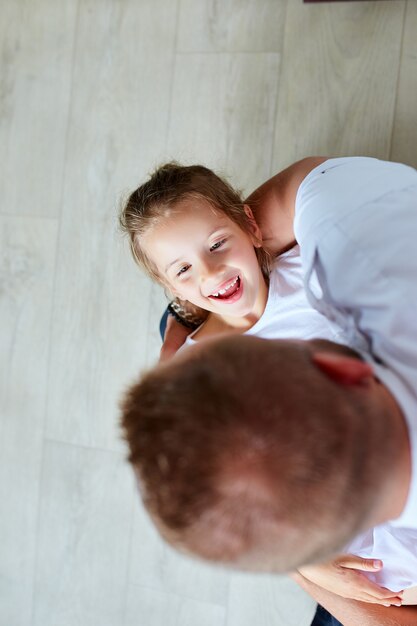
{"points": [[94, 94]]}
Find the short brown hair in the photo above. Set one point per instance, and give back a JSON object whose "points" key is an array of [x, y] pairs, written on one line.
{"points": [[241, 407], [158, 197]]}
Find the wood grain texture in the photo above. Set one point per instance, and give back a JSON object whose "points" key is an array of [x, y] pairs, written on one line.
{"points": [[26, 276], [153, 608], [117, 128], [94, 94], [231, 25], [83, 541], [337, 91], [155, 565], [225, 121], [404, 138], [268, 601], [99, 334], [36, 47]]}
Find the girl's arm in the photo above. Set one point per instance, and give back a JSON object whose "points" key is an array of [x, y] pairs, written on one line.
{"points": [[183, 319], [174, 338], [353, 613], [345, 577], [273, 204]]}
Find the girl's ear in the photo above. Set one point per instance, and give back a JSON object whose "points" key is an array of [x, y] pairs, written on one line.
{"points": [[175, 293], [170, 292], [256, 231]]}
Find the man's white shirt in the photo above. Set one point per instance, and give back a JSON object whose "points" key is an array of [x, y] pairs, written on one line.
{"points": [[356, 223]]}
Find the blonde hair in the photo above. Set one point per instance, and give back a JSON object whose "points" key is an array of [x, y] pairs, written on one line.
{"points": [[158, 197]]}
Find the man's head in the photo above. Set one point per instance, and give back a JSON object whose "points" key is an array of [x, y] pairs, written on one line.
{"points": [[262, 455]]}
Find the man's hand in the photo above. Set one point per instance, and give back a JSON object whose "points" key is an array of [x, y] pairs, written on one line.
{"points": [[175, 335], [344, 577]]}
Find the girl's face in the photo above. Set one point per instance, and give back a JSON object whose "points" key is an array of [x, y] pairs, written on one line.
{"points": [[205, 258]]}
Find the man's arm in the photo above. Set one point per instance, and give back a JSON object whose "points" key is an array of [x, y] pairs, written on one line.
{"points": [[354, 613], [273, 204]]}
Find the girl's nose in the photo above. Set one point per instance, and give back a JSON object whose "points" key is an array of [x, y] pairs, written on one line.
{"points": [[210, 270]]}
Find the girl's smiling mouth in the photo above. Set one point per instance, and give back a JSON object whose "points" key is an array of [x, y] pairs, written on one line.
{"points": [[230, 291]]}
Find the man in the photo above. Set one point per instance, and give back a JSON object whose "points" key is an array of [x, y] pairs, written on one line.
{"points": [[350, 217]]}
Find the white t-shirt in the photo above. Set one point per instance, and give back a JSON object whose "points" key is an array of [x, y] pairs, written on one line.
{"points": [[356, 223], [288, 314]]}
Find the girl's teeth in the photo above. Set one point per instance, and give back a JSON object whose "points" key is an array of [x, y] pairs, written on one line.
{"points": [[223, 291]]}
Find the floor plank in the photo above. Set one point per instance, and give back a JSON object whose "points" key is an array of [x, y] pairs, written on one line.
{"points": [[260, 600], [338, 85], [26, 278], [36, 48], [230, 131], [404, 139], [117, 128], [156, 608], [231, 25], [154, 564], [83, 542]]}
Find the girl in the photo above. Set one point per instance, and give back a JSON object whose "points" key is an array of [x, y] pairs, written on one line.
{"points": [[194, 235]]}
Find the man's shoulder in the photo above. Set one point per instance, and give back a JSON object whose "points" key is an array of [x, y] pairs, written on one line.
{"points": [[356, 195]]}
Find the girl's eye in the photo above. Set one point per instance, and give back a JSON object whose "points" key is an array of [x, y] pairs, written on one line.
{"points": [[217, 245], [182, 270]]}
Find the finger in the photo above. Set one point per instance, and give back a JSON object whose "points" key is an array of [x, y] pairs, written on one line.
{"points": [[376, 591], [365, 597], [390, 601], [383, 592], [351, 561], [390, 597]]}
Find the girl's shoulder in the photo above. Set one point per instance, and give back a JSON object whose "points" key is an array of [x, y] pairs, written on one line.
{"points": [[287, 262]]}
